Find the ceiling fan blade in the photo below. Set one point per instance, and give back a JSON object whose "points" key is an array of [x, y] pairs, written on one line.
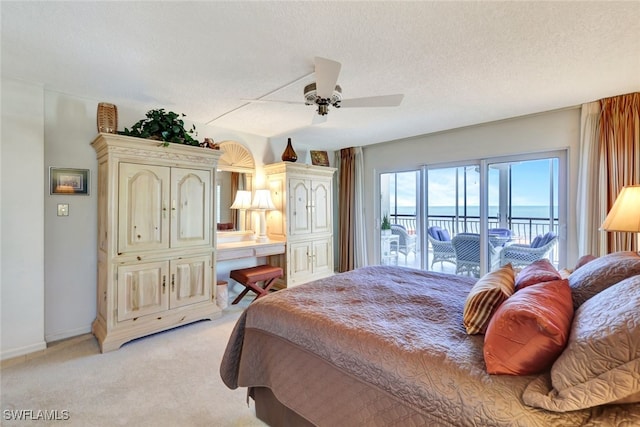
{"points": [[373, 101], [327, 72], [271, 101]]}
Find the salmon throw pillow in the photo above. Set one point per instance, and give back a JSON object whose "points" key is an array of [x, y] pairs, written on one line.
{"points": [[529, 330], [537, 272]]}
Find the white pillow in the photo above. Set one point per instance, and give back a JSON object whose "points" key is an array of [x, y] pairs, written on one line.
{"points": [[601, 363]]}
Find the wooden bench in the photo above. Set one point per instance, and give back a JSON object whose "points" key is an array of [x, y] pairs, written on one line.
{"points": [[250, 277]]}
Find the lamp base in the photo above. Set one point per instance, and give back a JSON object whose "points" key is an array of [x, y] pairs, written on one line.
{"points": [[262, 236]]}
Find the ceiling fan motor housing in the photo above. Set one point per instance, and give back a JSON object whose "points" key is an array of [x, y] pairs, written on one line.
{"points": [[311, 97]]}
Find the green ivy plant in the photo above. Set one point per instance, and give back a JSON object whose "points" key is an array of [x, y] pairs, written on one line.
{"points": [[163, 126]]}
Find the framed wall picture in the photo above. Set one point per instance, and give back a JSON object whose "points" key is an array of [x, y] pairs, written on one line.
{"points": [[319, 158], [69, 181]]}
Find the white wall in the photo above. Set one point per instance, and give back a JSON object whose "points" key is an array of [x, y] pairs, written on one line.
{"points": [[541, 132], [70, 241], [21, 224]]}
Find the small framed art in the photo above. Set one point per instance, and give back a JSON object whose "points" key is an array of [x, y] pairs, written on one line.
{"points": [[319, 158], [69, 181]]}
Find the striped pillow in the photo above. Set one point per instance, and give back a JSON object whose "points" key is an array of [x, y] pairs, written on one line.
{"points": [[485, 297]]}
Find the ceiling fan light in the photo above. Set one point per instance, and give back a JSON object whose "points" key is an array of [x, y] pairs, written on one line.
{"points": [[337, 95], [310, 94]]}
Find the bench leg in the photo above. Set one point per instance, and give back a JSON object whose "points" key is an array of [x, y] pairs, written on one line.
{"points": [[241, 294], [267, 286], [260, 291]]}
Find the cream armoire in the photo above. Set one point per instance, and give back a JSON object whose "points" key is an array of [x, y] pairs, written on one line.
{"points": [[156, 237], [303, 197]]}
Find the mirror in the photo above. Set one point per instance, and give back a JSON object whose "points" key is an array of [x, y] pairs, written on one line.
{"points": [[235, 172]]}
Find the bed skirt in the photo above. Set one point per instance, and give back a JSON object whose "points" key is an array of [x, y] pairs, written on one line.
{"points": [[271, 411]]}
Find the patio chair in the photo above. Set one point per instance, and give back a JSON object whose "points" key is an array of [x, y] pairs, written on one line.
{"points": [[406, 243], [467, 250], [441, 244], [503, 232], [499, 236], [520, 255]]}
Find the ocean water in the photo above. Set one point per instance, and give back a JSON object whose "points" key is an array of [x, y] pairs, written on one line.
{"points": [[516, 211]]}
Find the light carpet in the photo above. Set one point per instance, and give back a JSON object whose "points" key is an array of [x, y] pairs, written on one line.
{"points": [[167, 379]]}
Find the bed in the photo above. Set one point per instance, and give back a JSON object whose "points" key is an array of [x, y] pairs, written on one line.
{"points": [[386, 346]]}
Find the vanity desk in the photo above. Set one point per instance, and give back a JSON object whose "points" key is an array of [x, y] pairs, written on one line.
{"points": [[236, 245], [238, 250]]}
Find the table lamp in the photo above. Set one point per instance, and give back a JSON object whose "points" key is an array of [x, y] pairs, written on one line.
{"points": [[625, 213], [262, 202], [242, 202]]}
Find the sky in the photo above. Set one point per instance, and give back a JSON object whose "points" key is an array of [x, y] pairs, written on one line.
{"points": [[530, 185]]}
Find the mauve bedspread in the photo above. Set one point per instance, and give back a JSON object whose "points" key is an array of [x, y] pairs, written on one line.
{"points": [[384, 346]]}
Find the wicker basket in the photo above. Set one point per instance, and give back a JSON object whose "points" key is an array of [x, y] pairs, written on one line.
{"points": [[107, 118]]}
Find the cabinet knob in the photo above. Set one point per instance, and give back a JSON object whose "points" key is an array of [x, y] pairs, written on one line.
{"points": [[164, 283]]}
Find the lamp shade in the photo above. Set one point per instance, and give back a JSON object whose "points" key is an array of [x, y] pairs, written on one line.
{"points": [[242, 200], [625, 213], [262, 200]]}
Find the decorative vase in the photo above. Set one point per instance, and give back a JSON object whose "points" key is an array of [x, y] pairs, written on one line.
{"points": [[289, 154], [107, 118]]}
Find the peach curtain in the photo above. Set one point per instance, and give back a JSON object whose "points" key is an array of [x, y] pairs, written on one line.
{"points": [[346, 210], [619, 158]]}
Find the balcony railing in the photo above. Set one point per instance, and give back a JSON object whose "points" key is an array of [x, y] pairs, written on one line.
{"points": [[523, 229]]}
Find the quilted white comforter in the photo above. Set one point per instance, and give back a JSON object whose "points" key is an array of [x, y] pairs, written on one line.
{"points": [[384, 346]]}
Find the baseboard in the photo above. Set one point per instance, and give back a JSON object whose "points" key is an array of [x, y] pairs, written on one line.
{"points": [[67, 334], [23, 352]]}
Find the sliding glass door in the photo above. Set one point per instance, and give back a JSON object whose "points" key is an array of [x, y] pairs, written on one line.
{"points": [[482, 215], [524, 208], [399, 202], [523, 197], [452, 209]]}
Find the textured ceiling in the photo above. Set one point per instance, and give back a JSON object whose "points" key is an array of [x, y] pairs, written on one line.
{"points": [[458, 63]]}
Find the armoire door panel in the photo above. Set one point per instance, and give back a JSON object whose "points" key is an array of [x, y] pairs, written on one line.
{"points": [[142, 289], [323, 256], [144, 194], [321, 221], [190, 281], [190, 198], [300, 206], [300, 259]]}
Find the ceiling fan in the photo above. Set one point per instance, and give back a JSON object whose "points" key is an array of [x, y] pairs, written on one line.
{"points": [[325, 91]]}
